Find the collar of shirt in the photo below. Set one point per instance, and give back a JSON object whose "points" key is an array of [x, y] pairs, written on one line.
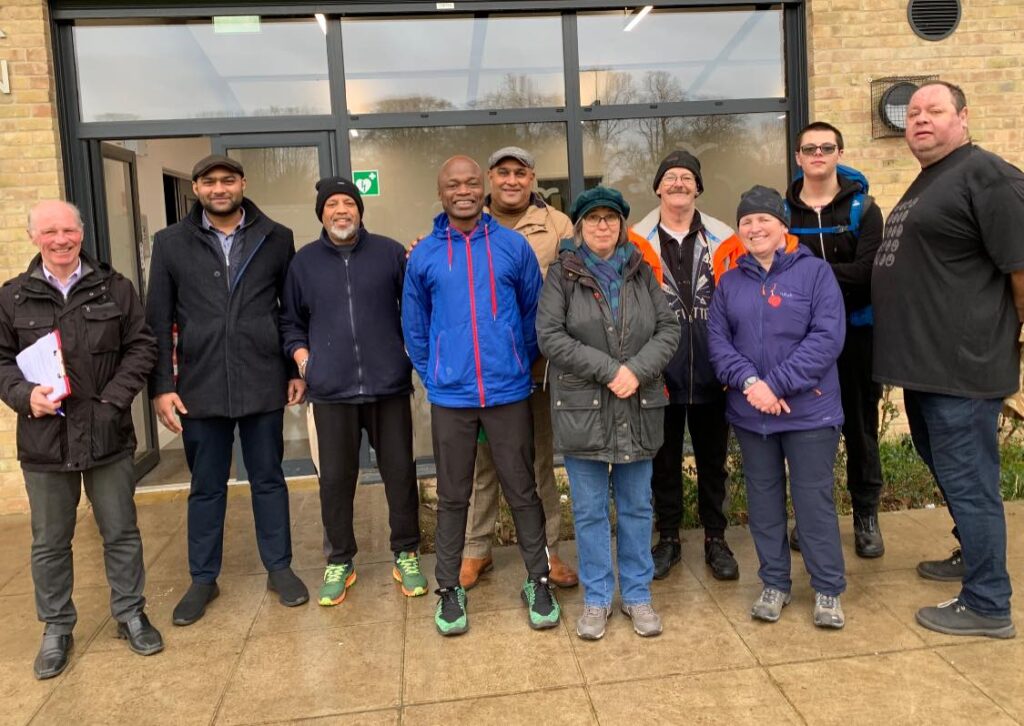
{"points": [[226, 238], [55, 281]]}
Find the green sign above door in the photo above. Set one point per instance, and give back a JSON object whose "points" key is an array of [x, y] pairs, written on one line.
{"points": [[367, 182]]}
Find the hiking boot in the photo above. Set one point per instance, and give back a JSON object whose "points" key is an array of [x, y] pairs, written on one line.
{"points": [[794, 542], [950, 569], [541, 604], [769, 604], [828, 611], [337, 580], [560, 574], [720, 559], [646, 622], [450, 615], [666, 554], [591, 624], [472, 568], [867, 537], [954, 618], [407, 572]]}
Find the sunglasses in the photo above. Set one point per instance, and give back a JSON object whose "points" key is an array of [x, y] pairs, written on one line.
{"points": [[825, 149]]}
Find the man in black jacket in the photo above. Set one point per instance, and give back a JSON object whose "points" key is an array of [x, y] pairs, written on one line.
{"points": [[342, 325], [832, 215], [108, 352], [218, 275]]}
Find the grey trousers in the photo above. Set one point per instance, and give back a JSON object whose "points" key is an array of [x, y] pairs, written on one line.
{"points": [[53, 498]]}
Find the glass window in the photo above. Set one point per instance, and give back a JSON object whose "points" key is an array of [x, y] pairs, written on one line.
{"points": [[735, 152], [201, 69], [407, 162], [419, 64], [681, 56]]}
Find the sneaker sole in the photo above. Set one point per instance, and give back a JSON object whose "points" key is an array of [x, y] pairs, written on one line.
{"points": [[453, 631], [639, 632], [830, 625], [938, 578], [765, 619], [1005, 632], [188, 621], [589, 636], [408, 593], [328, 602], [543, 625]]}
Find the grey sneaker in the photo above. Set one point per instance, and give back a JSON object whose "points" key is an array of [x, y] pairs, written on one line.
{"points": [[828, 611], [769, 604], [591, 623], [646, 622], [954, 618]]}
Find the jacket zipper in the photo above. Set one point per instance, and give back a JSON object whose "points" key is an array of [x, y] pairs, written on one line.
{"points": [[472, 313], [232, 286], [352, 324]]}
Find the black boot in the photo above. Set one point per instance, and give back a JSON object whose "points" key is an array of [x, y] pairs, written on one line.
{"points": [[666, 554], [867, 537], [720, 559]]}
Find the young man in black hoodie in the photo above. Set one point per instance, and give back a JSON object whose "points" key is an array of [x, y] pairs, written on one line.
{"points": [[833, 216]]}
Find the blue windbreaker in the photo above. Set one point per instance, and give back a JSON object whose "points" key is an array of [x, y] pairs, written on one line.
{"points": [[469, 309], [787, 327]]}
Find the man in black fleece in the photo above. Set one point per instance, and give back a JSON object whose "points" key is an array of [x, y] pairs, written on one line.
{"points": [[342, 326]]}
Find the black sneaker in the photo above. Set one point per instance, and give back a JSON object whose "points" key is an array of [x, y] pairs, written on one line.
{"points": [[192, 605], [291, 591], [950, 569], [867, 537], [666, 554], [541, 604], [954, 618], [720, 559]]}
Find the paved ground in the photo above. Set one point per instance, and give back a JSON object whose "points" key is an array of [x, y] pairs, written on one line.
{"points": [[377, 659]]}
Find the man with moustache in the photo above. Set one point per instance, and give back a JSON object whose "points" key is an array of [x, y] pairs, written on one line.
{"points": [[515, 205], [469, 311], [948, 294], [342, 326], [218, 275]]}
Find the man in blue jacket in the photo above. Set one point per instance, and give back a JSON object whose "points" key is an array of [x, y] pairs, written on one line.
{"points": [[469, 309], [341, 324]]}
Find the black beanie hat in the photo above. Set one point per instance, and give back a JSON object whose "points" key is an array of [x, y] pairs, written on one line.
{"points": [[331, 185], [683, 160], [762, 199]]}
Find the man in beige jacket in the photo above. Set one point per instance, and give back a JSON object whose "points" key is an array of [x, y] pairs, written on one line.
{"points": [[514, 205]]}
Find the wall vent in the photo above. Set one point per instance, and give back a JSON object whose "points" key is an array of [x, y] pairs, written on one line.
{"points": [[933, 19]]}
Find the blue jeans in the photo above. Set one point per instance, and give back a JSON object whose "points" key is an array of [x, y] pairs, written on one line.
{"points": [[208, 443], [957, 438], [811, 456], [631, 483]]}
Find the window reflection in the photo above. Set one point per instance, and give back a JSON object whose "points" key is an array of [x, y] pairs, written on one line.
{"points": [[681, 56], [418, 64], [735, 152], [193, 69]]}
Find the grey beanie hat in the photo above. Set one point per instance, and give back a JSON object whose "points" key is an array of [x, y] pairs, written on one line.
{"points": [[762, 199]]}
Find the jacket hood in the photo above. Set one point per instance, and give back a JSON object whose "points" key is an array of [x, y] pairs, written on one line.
{"points": [[851, 182], [442, 225]]}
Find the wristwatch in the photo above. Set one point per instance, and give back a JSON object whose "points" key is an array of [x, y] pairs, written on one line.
{"points": [[749, 382]]}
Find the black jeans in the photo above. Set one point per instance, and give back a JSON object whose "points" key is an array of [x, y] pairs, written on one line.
{"points": [[208, 443], [860, 396], [709, 432], [388, 425], [509, 430]]}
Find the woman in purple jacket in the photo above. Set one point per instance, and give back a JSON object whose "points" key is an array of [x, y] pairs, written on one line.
{"points": [[775, 330]]}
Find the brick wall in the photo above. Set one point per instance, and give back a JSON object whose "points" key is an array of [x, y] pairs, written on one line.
{"points": [[29, 171]]}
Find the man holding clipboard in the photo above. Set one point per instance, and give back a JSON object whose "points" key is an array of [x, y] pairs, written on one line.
{"points": [[108, 350]]}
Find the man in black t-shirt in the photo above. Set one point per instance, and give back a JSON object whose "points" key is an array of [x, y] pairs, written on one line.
{"points": [[948, 294]]}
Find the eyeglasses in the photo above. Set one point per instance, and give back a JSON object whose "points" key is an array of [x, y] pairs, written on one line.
{"points": [[675, 178], [594, 220], [825, 149]]}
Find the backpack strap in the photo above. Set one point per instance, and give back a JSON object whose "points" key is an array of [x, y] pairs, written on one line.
{"points": [[861, 203]]}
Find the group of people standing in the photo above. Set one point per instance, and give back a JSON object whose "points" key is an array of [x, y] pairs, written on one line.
{"points": [[532, 331]]}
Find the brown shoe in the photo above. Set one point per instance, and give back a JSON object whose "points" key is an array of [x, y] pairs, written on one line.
{"points": [[472, 568], [560, 573]]}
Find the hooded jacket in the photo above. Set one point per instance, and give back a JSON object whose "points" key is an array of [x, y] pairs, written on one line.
{"points": [[785, 326], [345, 310], [230, 361], [108, 352], [851, 256], [689, 375], [469, 308], [585, 348]]}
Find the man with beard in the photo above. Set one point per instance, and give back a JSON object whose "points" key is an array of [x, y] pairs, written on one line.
{"points": [[218, 275], [514, 205], [469, 309], [341, 324]]}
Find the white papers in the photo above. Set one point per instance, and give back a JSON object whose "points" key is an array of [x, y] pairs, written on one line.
{"points": [[43, 363]]}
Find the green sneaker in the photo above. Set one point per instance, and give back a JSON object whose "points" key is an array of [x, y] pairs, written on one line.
{"points": [[541, 604], [450, 615], [407, 572], [337, 580]]}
